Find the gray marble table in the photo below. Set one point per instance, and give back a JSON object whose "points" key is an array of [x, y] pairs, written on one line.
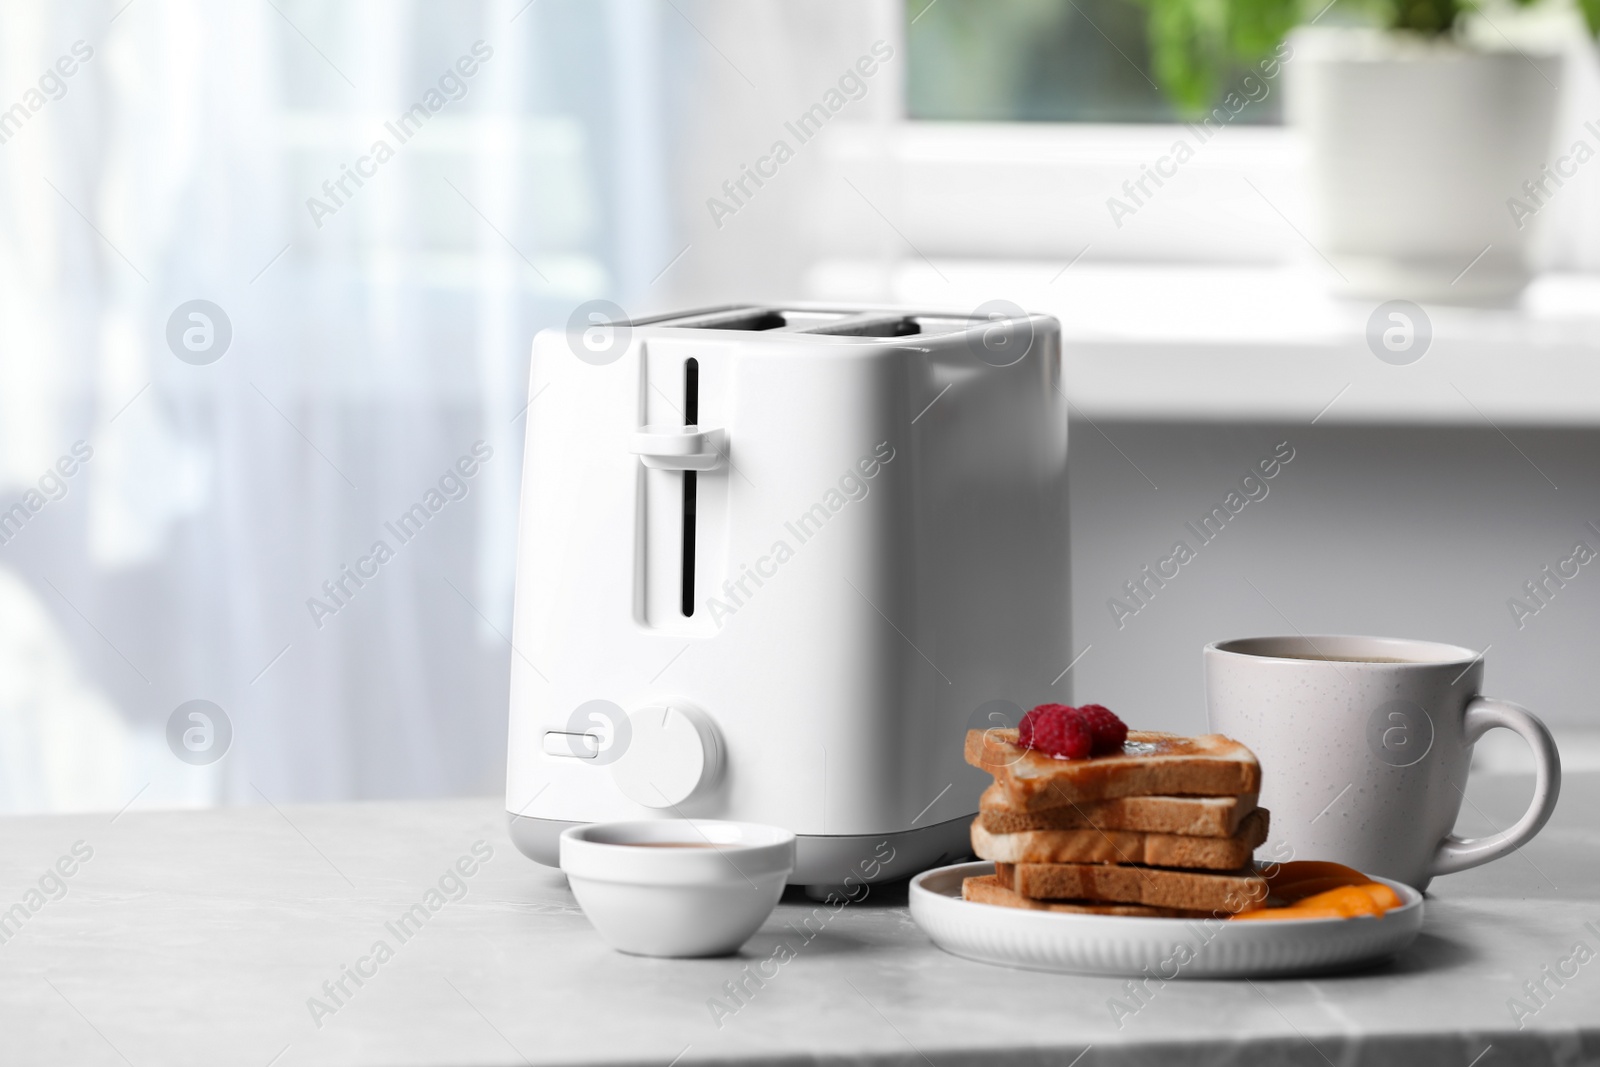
{"points": [[222, 937]]}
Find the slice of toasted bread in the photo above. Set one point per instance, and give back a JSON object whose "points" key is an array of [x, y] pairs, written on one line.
{"points": [[986, 889], [1123, 846], [1151, 764], [1215, 892], [1194, 816]]}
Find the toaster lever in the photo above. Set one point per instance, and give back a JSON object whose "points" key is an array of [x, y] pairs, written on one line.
{"points": [[679, 448], [571, 744]]}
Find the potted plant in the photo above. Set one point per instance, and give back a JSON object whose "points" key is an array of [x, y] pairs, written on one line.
{"points": [[1430, 150]]}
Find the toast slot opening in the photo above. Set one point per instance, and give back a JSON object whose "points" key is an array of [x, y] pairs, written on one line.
{"points": [[755, 320], [691, 417], [810, 321], [902, 327]]}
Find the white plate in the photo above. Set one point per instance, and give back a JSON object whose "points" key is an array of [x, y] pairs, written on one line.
{"points": [[1123, 946]]}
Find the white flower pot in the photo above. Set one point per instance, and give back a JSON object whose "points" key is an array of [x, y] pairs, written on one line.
{"points": [[1415, 148]]}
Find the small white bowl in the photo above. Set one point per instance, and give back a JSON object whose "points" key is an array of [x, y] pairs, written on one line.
{"points": [[648, 898]]}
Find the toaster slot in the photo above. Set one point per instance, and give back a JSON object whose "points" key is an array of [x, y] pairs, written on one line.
{"points": [[755, 319], [737, 318], [691, 417], [900, 326], [810, 321]]}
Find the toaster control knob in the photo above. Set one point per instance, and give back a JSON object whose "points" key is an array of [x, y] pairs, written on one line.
{"points": [[674, 753]]}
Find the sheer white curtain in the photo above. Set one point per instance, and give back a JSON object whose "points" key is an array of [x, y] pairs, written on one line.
{"points": [[378, 339]]}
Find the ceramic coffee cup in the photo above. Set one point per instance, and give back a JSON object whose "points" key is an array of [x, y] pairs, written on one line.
{"points": [[1364, 745]]}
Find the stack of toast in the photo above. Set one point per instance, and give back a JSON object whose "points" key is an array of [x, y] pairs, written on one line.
{"points": [[1168, 826]]}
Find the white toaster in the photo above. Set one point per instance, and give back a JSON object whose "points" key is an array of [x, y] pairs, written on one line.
{"points": [[773, 563]]}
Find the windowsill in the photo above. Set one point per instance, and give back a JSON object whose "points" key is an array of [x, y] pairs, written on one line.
{"points": [[1040, 190], [1229, 343]]}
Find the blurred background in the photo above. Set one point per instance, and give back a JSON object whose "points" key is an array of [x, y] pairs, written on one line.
{"points": [[237, 337]]}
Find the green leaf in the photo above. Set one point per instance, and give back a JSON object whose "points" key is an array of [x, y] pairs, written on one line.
{"points": [[1193, 42], [1591, 14]]}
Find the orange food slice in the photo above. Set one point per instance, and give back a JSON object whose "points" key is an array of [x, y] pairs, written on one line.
{"points": [[1318, 890], [1298, 871], [1381, 895]]}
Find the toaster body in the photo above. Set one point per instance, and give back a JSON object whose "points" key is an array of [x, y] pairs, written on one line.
{"points": [[773, 563]]}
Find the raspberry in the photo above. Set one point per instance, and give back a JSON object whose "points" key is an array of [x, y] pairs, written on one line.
{"points": [[1056, 730], [1109, 731]]}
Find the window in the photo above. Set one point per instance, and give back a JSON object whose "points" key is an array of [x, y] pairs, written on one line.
{"points": [[1041, 61]]}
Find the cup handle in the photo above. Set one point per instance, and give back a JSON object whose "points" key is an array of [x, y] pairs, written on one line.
{"points": [[1483, 714]]}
